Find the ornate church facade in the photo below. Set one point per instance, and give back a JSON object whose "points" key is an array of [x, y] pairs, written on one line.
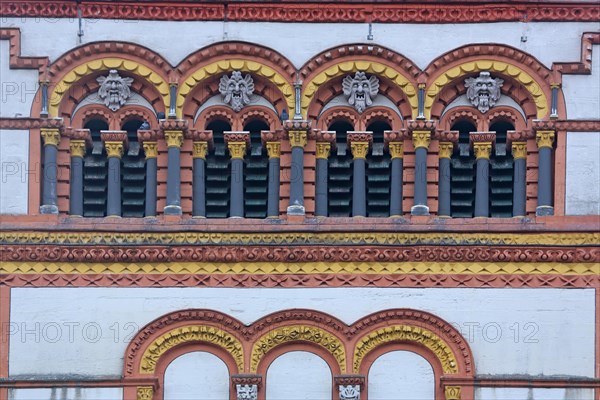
{"points": [[299, 201]]}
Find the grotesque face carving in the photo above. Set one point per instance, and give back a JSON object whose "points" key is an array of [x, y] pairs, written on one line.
{"points": [[360, 90], [349, 392], [236, 90], [246, 392], [114, 90], [484, 91]]}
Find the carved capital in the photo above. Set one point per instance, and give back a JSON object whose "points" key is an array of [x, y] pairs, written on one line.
{"points": [[359, 149], [519, 150], [174, 138], [77, 148], [349, 392], [273, 149], [298, 138], [446, 149], [246, 391], [150, 149], [199, 149], [51, 136], [323, 149], [396, 149], [145, 393], [482, 150], [421, 139], [237, 150], [544, 139], [452, 392], [114, 149]]}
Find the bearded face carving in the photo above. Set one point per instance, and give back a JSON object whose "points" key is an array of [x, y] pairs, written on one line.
{"points": [[349, 392], [360, 90], [114, 90], [484, 91], [246, 392], [236, 90]]}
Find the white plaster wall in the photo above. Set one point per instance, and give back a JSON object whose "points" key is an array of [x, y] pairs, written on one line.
{"points": [[298, 375], [533, 394], [401, 375], [583, 173], [86, 330], [66, 394], [197, 375], [17, 86], [582, 92], [14, 171]]}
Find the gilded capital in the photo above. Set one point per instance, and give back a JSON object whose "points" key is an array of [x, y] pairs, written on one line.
{"points": [[237, 150], [51, 136], [145, 393], [174, 138], [114, 149], [446, 149], [77, 148], [544, 139], [200, 149], [452, 392], [396, 149], [421, 139], [519, 150], [323, 149], [150, 149], [482, 150], [298, 138], [359, 149], [274, 149]]}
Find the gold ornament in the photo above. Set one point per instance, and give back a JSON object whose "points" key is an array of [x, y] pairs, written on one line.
{"points": [[483, 150], [359, 149], [323, 149], [421, 139], [174, 138], [114, 149], [199, 150], [145, 393], [77, 148], [446, 149], [274, 149], [51, 136], [452, 392], [237, 150], [396, 149], [297, 138], [519, 150], [544, 139]]}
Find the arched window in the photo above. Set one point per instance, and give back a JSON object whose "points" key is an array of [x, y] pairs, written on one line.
{"points": [[95, 172], [501, 172], [196, 375], [218, 172], [378, 173], [256, 172], [298, 375], [340, 172], [133, 173], [462, 192]]}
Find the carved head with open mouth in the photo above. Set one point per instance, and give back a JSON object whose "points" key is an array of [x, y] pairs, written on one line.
{"points": [[236, 90], [360, 90], [484, 91], [114, 89]]}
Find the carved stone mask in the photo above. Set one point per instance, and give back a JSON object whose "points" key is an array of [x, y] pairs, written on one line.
{"points": [[349, 392], [114, 90], [360, 90], [484, 91], [236, 90], [246, 392]]}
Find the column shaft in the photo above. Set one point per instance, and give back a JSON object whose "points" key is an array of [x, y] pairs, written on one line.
{"points": [[199, 188], [545, 140], [396, 188], [273, 189], [236, 203], [151, 183], [444, 197], [173, 181], [421, 177], [50, 175], [321, 198], [359, 189], [519, 152], [297, 181], [482, 188], [113, 197], [76, 187]]}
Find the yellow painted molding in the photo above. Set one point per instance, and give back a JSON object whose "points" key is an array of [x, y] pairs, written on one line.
{"points": [[297, 333], [191, 334], [452, 392], [359, 149], [114, 149], [76, 73], [446, 149], [302, 268], [220, 67], [301, 238], [237, 150], [371, 67], [298, 138], [421, 139], [77, 148], [409, 334], [174, 138], [396, 149], [145, 393], [533, 87], [544, 139]]}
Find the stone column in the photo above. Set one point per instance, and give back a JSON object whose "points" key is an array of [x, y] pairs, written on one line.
{"points": [[359, 143], [237, 144], [554, 100], [349, 386], [115, 143], [421, 140], [51, 137], [298, 137], [149, 141], [322, 177], [174, 139], [80, 140], [44, 86], [545, 141], [200, 149], [394, 143], [274, 151], [519, 152], [246, 386], [444, 179], [482, 146]]}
